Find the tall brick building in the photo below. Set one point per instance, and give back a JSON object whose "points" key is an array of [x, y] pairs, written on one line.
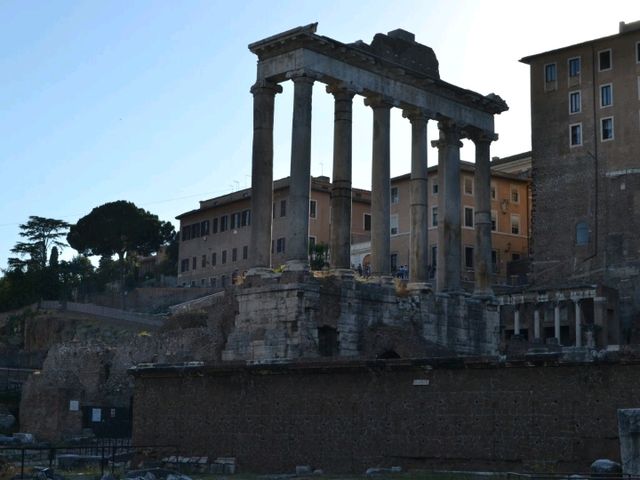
{"points": [[585, 116]]}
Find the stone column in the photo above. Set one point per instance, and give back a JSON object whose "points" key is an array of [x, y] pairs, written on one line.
{"points": [[340, 236], [536, 323], [556, 321], [380, 187], [482, 222], [449, 237], [299, 186], [578, 314], [600, 319], [262, 173], [516, 319], [418, 236]]}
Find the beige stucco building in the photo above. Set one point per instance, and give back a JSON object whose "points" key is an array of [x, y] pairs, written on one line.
{"points": [[214, 239]]}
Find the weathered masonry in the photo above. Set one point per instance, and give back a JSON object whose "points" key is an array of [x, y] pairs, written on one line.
{"points": [[393, 71]]}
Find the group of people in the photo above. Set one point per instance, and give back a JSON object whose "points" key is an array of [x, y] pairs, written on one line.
{"points": [[402, 272]]}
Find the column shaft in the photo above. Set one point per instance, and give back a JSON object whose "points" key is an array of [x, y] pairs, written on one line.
{"points": [[578, 314], [482, 222], [380, 189], [536, 323], [262, 173], [600, 320], [449, 235], [516, 321], [340, 235], [418, 236], [556, 321], [299, 187]]}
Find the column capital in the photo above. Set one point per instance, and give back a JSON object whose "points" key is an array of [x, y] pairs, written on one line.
{"points": [[341, 91], [378, 101], [481, 136], [417, 115], [265, 87], [303, 75], [450, 134]]}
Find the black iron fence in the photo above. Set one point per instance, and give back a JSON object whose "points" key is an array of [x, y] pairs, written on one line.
{"points": [[105, 455]]}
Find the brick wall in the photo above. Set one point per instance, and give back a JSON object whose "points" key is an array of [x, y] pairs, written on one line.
{"points": [[473, 414]]}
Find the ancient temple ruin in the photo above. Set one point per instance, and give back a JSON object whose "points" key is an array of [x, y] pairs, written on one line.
{"points": [[393, 71]]}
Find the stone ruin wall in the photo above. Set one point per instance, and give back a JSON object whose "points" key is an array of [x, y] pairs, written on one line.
{"points": [[475, 414], [278, 320]]}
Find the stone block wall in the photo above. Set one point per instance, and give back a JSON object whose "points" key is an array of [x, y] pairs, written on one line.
{"points": [[281, 320], [346, 417]]}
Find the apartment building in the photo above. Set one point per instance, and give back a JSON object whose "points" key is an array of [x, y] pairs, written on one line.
{"points": [[214, 238], [585, 115], [510, 206]]}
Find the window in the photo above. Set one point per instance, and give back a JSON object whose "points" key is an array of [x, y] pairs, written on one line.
{"points": [[367, 222], [224, 223], [204, 227], [214, 258], [582, 233], [283, 208], [468, 186], [223, 281], [224, 256], [434, 257], [234, 255], [606, 129], [434, 216], [394, 262], [494, 261], [575, 102], [494, 194], [575, 135], [434, 187], [186, 233], [313, 209], [195, 230], [550, 74], [194, 263], [393, 222], [494, 221], [574, 67], [394, 195], [212, 281], [202, 282], [214, 227], [235, 220], [604, 60], [468, 217], [515, 256], [515, 224], [468, 258], [280, 245], [245, 252], [184, 265], [312, 243], [606, 95], [515, 194], [246, 218], [204, 261]]}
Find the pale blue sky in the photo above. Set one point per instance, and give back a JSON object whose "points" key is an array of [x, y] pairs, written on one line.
{"points": [[149, 101]]}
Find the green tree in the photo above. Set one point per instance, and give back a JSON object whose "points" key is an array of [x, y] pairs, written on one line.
{"points": [[40, 234], [119, 228]]}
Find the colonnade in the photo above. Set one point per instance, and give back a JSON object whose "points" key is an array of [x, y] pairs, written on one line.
{"points": [[449, 228], [574, 305]]}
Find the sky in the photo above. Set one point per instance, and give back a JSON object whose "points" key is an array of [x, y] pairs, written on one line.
{"points": [[148, 101]]}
